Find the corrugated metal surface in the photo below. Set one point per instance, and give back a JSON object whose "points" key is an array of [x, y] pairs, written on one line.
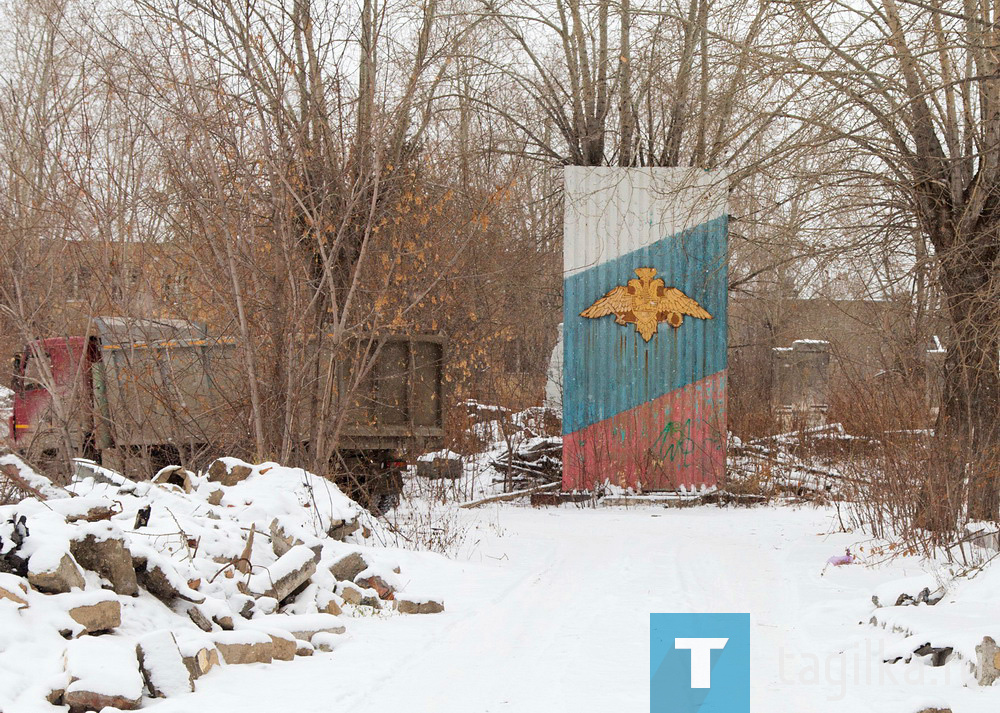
{"points": [[644, 413]]}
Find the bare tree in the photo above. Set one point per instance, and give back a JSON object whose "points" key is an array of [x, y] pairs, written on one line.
{"points": [[910, 103]]}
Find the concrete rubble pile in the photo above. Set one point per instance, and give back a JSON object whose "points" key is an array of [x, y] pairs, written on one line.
{"points": [[942, 621], [144, 587]]}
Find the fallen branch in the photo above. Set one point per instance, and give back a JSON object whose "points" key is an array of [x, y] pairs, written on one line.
{"points": [[9, 471], [511, 496]]}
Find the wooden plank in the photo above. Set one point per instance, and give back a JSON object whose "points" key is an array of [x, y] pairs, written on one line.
{"points": [[505, 497]]}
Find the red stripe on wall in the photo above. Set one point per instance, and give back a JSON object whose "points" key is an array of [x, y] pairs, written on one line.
{"points": [[677, 439]]}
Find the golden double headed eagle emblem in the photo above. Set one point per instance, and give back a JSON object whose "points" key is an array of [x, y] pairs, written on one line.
{"points": [[645, 303]]}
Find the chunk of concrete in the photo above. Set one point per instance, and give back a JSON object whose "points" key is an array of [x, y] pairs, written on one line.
{"points": [[84, 509], [13, 588], [282, 645], [353, 594], [57, 578], [229, 471], [161, 580], [245, 646], [987, 662], [302, 626], [349, 566], [197, 616], [104, 672], [200, 661], [103, 551], [55, 696], [162, 666], [326, 602], [406, 605], [96, 613], [281, 541], [323, 641], [340, 529], [174, 475], [225, 621], [292, 570]]}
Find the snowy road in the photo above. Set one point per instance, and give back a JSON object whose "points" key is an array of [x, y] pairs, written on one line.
{"points": [[549, 611]]}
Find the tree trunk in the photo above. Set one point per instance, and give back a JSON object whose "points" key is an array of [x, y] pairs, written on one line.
{"points": [[969, 413]]}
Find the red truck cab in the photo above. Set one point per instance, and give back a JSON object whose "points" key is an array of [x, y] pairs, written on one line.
{"points": [[64, 374]]}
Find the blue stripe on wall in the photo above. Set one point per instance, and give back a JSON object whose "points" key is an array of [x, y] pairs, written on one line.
{"points": [[607, 367]]}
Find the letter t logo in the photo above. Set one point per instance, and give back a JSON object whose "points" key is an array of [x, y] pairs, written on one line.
{"points": [[701, 658]]}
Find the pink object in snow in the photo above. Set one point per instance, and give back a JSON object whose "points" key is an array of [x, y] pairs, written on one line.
{"points": [[838, 560]]}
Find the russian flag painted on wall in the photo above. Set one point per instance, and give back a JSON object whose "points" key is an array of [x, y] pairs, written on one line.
{"points": [[650, 415]]}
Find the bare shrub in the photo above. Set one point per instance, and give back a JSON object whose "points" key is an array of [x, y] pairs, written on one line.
{"points": [[913, 492], [10, 491], [750, 376], [424, 524], [883, 403]]}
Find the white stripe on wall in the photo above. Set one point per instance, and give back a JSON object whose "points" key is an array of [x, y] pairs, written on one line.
{"points": [[614, 211]]}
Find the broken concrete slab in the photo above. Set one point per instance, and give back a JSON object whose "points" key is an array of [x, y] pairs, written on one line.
{"points": [[323, 641], [100, 547], [96, 612], [245, 646], [197, 616], [54, 578], [301, 626], [198, 653], [327, 603], [229, 471], [283, 645], [84, 509], [340, 529], [174, 475], [158, 576], [286, 575], [14, 588], [162, 666], [27, 479], [987, 661], [406, 605], [104, 672], [353, 594], [281, 541], [349, 566]]}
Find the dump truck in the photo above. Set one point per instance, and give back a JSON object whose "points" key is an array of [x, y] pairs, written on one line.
{"points": [[140, 394]]}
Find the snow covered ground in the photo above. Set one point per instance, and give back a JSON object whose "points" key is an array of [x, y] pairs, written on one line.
{"points": [[548, 610]]}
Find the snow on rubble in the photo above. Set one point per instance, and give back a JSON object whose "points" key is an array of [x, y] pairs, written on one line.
{"points": [[115, 592]]}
